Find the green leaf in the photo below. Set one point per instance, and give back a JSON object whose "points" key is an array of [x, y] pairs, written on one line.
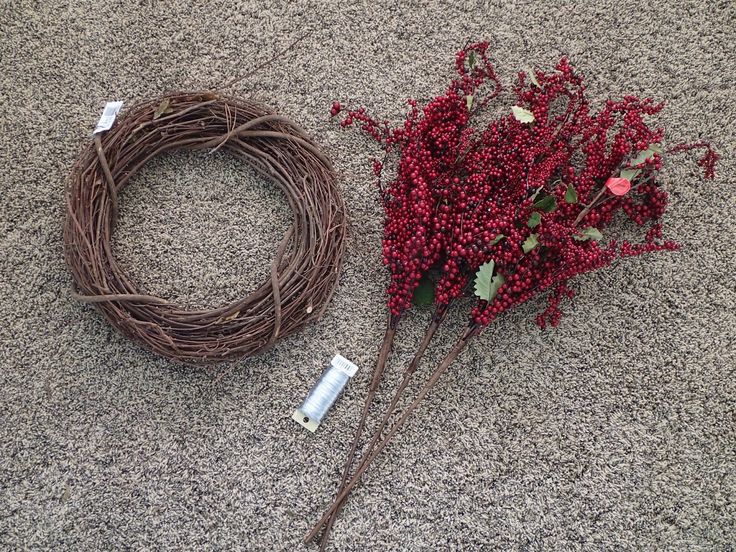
{"points": [[646, 154], [571, 196], [546, 204], [530, 243], [522, 115], [589, 233], [534, 220], [630, 174], [497, 239], [486, 285], [532, 77], [471, 59], [469, 101], [162, 108], [424, 292]]}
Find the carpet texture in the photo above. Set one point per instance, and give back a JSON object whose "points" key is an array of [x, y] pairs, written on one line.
{"points": [[614, 431]]}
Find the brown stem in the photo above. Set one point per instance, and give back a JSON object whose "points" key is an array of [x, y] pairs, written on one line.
{"points": [[585, 211], [388, 340], [429, 334], [265, 63], [441, 369]]}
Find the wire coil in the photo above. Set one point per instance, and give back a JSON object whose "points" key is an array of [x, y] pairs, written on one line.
{"points": [[303, 273], [324, 393]]}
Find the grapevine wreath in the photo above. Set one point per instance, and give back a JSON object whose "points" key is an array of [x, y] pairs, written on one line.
{"points": [[303, 273]]}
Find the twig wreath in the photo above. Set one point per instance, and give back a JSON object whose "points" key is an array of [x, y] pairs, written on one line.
{"points": [[303, 273]]}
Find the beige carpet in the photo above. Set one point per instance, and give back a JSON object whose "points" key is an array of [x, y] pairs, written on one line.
{"points": [[615, 431]]}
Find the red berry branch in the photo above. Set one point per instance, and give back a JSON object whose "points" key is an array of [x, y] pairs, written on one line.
{"points": [[508, 211]]}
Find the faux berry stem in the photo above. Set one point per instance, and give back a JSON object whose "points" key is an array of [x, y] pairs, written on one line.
{"points": [[459, 347], [437, 319], [460, 205]]}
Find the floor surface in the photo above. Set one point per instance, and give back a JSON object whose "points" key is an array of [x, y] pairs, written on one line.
{"points": [[614, 431]]}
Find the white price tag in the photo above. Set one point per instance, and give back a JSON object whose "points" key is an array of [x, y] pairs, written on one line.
{"points": [[108, 117]]}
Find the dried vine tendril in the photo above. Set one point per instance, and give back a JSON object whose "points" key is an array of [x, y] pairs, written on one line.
{"points": [[303, 273]]}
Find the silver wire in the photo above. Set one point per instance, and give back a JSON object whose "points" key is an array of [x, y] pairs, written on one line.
{"points": [[324, 394]]}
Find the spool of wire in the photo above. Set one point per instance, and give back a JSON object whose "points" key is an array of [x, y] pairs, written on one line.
{"points": [[324, 393]]}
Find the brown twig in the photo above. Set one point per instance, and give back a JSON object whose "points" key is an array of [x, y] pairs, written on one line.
{"points": [[303, 274], [429, 334], [388, 340], [460, 345], [265, 63]]}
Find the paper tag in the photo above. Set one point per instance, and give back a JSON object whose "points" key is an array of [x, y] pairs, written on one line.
{"points": [[108, 117]]}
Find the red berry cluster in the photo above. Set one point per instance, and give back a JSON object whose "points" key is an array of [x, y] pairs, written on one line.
{"points": [[533, 191], [420, 203], [650, 244]]}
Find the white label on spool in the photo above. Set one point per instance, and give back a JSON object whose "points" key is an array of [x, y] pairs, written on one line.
{"points": [[341, 363], [108, 117]]}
